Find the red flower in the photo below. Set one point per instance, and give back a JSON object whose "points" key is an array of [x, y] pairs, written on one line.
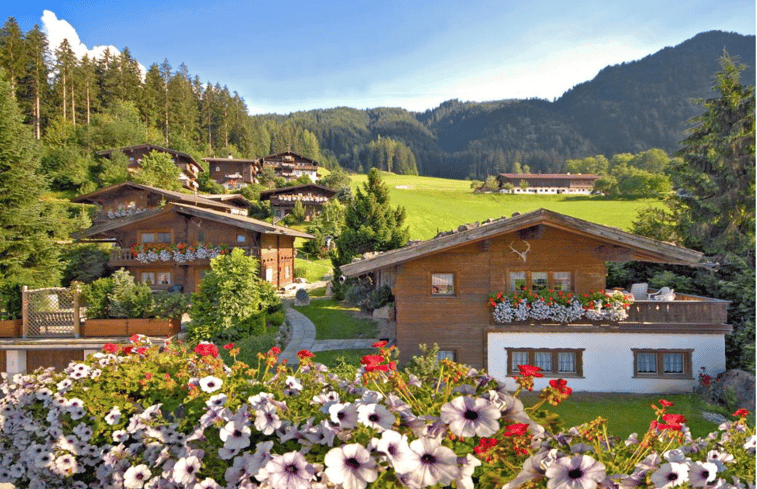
{"points": [[148, 376], [126, 350], [375, 367], [674, 418], [229, 346], [741, 413], [371, 359], [380, 344], [561, 385], [134, 338], [529, 371], [517, 429], [110, 347], [303, 354], [167, 376], [666, 403], [141, 350], [666, 426], [275, 350], [206, 349]]}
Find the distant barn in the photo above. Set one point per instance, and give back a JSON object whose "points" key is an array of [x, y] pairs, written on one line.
{"points": [[549, 183]]}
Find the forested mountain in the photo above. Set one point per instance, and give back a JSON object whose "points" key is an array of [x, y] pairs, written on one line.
{"points": [[79, 106], [629, 107]]}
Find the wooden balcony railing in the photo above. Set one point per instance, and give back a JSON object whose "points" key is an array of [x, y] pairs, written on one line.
{"points": [[707, 311], [125, 257]]}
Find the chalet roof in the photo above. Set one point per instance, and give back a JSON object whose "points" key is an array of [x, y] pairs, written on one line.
{"points": [[641, 248], [170, 195], [213, 159], [551, 176], [238, 199], [280, 156], [151, 147], [248, 223], [267, 194]]}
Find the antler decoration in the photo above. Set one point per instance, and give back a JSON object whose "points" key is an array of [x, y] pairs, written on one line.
{"points": [[521, 254]]}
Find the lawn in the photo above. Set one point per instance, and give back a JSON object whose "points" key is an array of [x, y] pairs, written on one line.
{"points": [[331, 358], [315, 269], [334, 321], [438, 204], [630, 413]]}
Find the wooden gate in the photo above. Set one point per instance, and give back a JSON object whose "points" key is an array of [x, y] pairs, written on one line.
{"points": [[50, 313]]}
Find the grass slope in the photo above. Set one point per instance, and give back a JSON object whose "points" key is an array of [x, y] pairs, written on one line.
{"points": [[438, 204], [334, 321]]}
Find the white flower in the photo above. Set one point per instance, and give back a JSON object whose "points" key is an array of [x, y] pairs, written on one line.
{"points": [[235, 435], [113, 416], [464, 478], [578, 471], [702, 473], [65, 465], [216, 401], [670, 474], [266, 419], [136, 476], [351, 466], [344, 415], [468, 416], [210, 383], [395, 446], [185, 469], [288, 471], [375, 416], [208, 483], [751, 444], [432, 463]]}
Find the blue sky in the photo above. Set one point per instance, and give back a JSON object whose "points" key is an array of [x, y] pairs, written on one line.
{"points": [[284, 56]]}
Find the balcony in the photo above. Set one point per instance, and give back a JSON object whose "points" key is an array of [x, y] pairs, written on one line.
{"points": [[125, 257]]}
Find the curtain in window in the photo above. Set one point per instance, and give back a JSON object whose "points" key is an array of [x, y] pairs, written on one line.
{"points": [[519, 358], [543, 360], [673, 363], [567, 361], [647, 362]]}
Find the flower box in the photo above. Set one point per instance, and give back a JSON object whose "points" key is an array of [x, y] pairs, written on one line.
{"points": [[557, 307], [10, 328], [127, 327]]}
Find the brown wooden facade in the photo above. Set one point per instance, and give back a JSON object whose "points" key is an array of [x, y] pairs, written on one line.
{"points": [[312, 196], [550, 180], [233, 173], [290, 165], [191, 226], [490, 258], [190, 169]]}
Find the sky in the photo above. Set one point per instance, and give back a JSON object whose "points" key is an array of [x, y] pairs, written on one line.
{"points": [[285, 56]]}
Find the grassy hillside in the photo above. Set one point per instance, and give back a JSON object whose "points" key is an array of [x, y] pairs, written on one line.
{"points": [[438, 204]]}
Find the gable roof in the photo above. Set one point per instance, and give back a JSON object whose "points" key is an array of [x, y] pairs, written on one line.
{"points": [[248, 223], [151, 147], [238, 199], [280, 156], [641, 248], [267, 194], [169, 195]]}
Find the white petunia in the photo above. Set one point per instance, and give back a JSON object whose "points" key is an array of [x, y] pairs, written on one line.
{"points": [[210, 383], [375, 416], [185, 469], [136, 476], [397, 449], [113, 416], [468, 416], [578, 471], [432, 463], [267, 420], [702, 473], [216, 401], [344, 415], [350, 466], [288, 471], [670, 475], [235, 435]]}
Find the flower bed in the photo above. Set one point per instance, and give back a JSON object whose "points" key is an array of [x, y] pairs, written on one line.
{"points": [[558, 307], [147, 415], [179, 252]]}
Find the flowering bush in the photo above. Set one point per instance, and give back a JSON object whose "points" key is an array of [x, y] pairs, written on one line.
{"points": [[559, 306], [147, 415], [179, 252]]}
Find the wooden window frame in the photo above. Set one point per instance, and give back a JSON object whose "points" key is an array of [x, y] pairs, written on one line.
{"points": [[660, 359], [155, 232], [554, 373], [455, 284], [452, 350], [529, 281], [156, 271]]}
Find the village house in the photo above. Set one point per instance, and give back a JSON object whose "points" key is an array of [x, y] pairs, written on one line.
{"points": [[190, 169], [312, 197], [442, 289], [233, 173], [548, 183], [290, 165]]}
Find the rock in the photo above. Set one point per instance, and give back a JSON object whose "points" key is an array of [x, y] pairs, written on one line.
{"points": [[300, 280], [386, 312], [301, 298], [329, 292], [714, 417], [742, 384]]}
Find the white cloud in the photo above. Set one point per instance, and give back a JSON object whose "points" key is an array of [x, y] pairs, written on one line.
{"points": [[58, 29]]}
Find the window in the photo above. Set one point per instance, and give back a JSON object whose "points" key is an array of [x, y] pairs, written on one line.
{"points": [[662, 363], [442, 354], [442, 284], [539, 281], [155, 278], [287, 271], [269, 274], [241, 238], [562, 362], [155, 237]]}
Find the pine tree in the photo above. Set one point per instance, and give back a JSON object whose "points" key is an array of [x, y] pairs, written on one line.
{"points": [[13, 56], [36, 88]]}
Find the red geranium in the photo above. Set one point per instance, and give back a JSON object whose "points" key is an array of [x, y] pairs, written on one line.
{"points": [[741, 413], [674, 418], [229, 346], [380, 344], [517, 429], [110, 347], [529, 371], [665, 403], [303, 354], [206, 349], [371, 359]]}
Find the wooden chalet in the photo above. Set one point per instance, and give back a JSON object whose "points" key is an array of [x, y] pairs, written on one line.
{"points": [[291, 165], [190, 169], [173, 244], [311, 195], [233, 173], [549, 183], [129, 198], [442, 286]]}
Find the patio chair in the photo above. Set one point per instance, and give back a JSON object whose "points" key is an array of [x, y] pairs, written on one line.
{"points": [[664, 294], [639, 291]]}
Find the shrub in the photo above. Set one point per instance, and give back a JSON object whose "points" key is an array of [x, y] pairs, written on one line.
{"points": [[277, 318], [169, 304], [127, 299], [300, 272], [380, 297], [357, 292], [95, 297]]}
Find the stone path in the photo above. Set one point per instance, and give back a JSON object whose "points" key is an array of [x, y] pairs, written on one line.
{"points": [[303, 338]]}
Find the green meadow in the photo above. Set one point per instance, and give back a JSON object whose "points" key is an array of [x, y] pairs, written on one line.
{"points": [[439, 204]]}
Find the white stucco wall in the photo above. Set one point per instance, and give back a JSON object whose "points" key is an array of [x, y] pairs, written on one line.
{"points": [[608, 359]]}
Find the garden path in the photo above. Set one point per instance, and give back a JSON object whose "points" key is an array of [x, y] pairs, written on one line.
{"points": [[303, 338]]}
